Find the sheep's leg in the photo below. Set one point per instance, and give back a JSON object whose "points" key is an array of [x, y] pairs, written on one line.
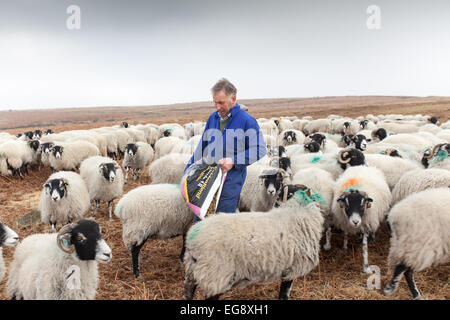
{"points": [[366, 268], [215, 297], [135, 174], [183, 249], [97, 203], [189, 286], [372, 236], [92, 207], [53, 226], [409, 276], [110, 210], [20, 174], [327, 245], [126, 174], [392, 286], [344, 245], [135, 249], [285, 289]]}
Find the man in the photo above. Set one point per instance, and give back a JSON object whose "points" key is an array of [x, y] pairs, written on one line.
{"points": [[233, 140]]}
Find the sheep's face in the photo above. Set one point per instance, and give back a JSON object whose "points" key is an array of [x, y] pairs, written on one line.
{"points": [[312, 147], [29, 135], [88, 242], [7, 236], [354, 204], [381, 133], [434, 120], [46, 147], [108, 171], [34, 144], [360, 142], [131, 149], [279, 151], [37, 134], [317, 137], [48, 131], [167, 133], [290, 137], [356, 158], [363, 124], [272, 183], [283, 163], [347, 139], [57, 151], [56, 188], [291, 190], [125, 124], [18, 135]]}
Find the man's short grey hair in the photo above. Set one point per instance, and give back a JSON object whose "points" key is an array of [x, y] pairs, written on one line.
{"points": [[226, 86]]}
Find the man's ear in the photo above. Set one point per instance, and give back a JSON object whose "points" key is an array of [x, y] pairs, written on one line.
{"points": [[233, 99]]}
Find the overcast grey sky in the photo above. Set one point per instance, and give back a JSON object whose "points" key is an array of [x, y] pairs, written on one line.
{"points": [[169, 51]]}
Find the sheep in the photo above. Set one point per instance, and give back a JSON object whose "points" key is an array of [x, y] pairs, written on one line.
{"points": [[420, 236], [321, 184], [333, 163], [18, 155], [7, 238], [64, 198], [169, 168], [69, 155], [261, 188], [171, 130], [137, 156], [299, 124], [104, 181], [398, 127], [284, 124], [45, 153], [439, 157], [418, 180], [269, 128], [152, 212], [392, 167], [361, 200], [357, 141], [318, 125], [235, 250], [431, 128], [291, 136], [59, 266]]}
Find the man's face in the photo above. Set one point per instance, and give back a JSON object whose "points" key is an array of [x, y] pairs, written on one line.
{"points": [[223, 103]]}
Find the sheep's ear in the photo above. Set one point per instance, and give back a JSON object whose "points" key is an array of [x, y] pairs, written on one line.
{"points": [[46, 187], [61, 149], [369, 202], [341, 200], [100, 167]]}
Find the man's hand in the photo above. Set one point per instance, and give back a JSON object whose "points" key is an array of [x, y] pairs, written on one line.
{"points": [[226, 164]]}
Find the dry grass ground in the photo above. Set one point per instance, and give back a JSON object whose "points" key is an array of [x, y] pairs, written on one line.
{"points": [[339, 274]]}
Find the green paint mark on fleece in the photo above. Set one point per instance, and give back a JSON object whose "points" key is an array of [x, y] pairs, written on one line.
{"points": [[316, 159], [193, 233], [441, 156], [318, 198], [302, 197]]}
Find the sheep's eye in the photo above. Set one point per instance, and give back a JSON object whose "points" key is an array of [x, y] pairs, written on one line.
{"points": [[81, 239]]}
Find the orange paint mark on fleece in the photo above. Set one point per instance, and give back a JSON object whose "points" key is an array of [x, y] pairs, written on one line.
{"points": [[349, 184]]}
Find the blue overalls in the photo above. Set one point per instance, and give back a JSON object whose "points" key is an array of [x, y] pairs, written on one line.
{"points": [[242, 141]]}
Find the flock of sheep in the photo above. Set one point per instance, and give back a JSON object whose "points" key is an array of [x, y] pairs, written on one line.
{"points": [[319, 175]]}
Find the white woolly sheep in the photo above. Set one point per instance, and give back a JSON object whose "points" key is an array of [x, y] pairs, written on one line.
{"points": [[225, 251], [60, 266], [64, 198], [152, 212], [331, 162], [18, 155], [69, 155], [318, 125], [104, 181], [261, 188], [169, 168], [418, 180], [361, 200], [420, 236], [137, 156], [7, 238], [321, 183], [291, 136], [393, 168]]}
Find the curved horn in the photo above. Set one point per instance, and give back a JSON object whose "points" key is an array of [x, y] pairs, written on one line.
{"points": [[436, 149], [342, 160], [64, 236]]}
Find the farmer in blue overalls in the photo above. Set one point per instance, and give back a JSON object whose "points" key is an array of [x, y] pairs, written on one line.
{"points": [[233, 140]]}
